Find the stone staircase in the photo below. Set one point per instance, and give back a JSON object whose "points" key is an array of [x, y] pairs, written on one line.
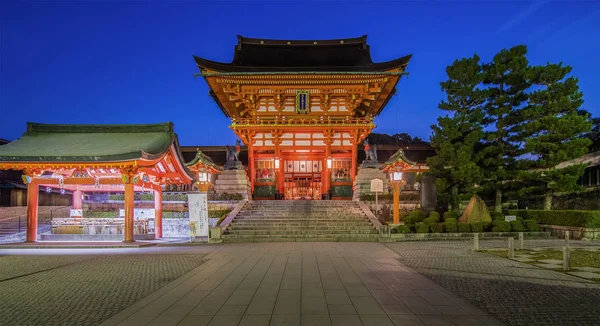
{"points": [[304, 220]]}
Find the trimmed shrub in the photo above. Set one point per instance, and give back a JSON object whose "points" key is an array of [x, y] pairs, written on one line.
{"points": [[464, 227], [437, 227], [531, 225], [450, 226], [421, 227], [450, 214], [517, 226], [479, 227], [403, 229], [430, 221], [415, 217], [587, 219], [451, 220], [500, 226], [497, 216], [436, 216]]}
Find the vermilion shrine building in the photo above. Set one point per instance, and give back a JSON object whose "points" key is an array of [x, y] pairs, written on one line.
{"points": [[302, 108]]}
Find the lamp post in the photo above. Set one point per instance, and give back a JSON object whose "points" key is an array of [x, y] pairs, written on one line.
{"points": [[397, 182], [204, 177]]}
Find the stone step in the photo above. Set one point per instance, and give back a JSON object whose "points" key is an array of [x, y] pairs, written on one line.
{"points": [[299, 232], [236, 227], [303, 209], [315, 236], [303, 216], [300, 221], [331, 239]]}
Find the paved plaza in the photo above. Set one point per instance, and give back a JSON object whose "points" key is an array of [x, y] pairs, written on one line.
{"points": [[515, 293], [238, 284], [289, 284]]}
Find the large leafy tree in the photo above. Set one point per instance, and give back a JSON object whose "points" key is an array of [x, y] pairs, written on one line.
{"points": [[456, 134], [552, 132], [506, 83]]}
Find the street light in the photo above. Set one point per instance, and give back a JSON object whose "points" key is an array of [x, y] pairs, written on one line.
{"points": [[395, 167], [204, 177], [396, 179]]}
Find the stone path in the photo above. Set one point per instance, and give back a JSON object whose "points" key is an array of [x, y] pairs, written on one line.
{"points": [[302, 284], [76, 289], [514, 292]]}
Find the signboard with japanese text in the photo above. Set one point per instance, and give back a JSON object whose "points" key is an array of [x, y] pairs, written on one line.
{"points": [[198, 212], [377, 185]]}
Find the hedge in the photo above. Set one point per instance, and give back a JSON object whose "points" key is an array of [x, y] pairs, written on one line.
{"points": [[405, 196], [464, 227], [500, 226], [451, 226], [531, 225], [437, 227], [435, 215], [403, 229], [517, 226], [497, 216], [450, 214], [479, 227], [421, 228], [577, 218], [415, 217]]}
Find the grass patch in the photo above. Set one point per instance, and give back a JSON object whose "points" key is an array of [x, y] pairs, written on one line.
{"points": [[579, 258]]}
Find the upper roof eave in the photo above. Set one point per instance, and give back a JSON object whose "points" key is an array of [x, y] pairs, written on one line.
{"points": [[337, 42], [220, 67]]}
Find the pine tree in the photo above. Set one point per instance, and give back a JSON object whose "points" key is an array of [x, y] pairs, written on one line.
{"points": [[552, 130], [456, 134], [506, 84]]}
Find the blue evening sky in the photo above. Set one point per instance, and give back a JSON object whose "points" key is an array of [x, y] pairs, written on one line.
{"points": [[131, 61]]}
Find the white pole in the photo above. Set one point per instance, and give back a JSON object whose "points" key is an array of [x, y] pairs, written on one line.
{"points": [[566, 258], [377, 203], [511, 247]]}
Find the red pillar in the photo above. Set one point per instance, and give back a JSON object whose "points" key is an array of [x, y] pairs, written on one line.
{"points": [[128, 232], [251, 166], [77, 201], [32, 211], [354, 159], [158, 214]]}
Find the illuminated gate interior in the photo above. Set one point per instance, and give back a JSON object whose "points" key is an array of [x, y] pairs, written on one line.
{"points": [[302, 180]]}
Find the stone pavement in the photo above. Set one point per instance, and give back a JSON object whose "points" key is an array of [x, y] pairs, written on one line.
{"points": [[301, 284], [514, 292], [77, 287]]}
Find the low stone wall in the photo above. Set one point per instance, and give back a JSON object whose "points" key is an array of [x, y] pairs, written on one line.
{"points": [[180, 227], [577, 233], [461, 236], [115, 205], [96, 226], [93, 237]]}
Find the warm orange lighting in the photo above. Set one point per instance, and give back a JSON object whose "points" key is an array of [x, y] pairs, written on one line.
{"points": [[203, 176], [396, 176]]}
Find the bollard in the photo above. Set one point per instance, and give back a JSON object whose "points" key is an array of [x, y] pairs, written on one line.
{"points": [[567, 236], [521, 241], [476, 241], [511, 247], [566, 258]]}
